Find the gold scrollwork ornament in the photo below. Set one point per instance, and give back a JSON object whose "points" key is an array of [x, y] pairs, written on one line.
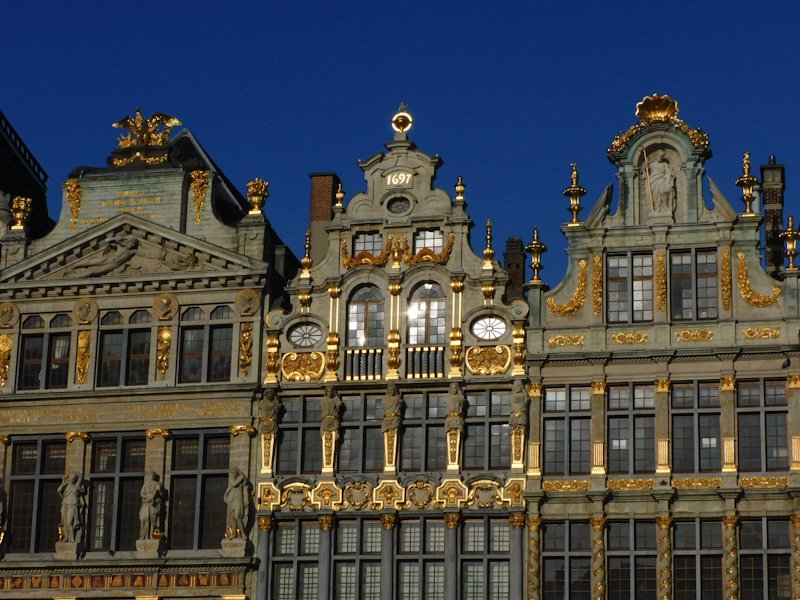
{"points": [[6, 343], [302, 366], [575, 303], [488, 360], [750, 296]]}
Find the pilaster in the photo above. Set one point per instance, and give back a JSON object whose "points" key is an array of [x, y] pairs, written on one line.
{"points": [[389, 524], [598, 405], [730, 554], [326, 524], [664, 559], [451, 579], [534, 572], [516, 570], [598, 524], [661, 426]]}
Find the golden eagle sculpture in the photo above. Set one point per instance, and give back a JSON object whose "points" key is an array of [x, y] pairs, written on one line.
{"points": [[144, 132]]}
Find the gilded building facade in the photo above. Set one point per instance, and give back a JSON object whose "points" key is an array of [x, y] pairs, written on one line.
{"points": [[129, 358], [411, 419]]}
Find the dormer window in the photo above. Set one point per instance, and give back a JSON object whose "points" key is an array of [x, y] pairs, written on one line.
{"points": [[368, 241], [432, 239]]}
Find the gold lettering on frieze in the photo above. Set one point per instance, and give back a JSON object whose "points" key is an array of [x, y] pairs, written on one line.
{"points": [[566, 485], [761, 333], [694, 335], [555, 341]]}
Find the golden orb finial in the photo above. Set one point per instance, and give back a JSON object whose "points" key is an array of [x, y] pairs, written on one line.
{"points": [[460, 188], [402, 120], [339, 195], [790, 236]]}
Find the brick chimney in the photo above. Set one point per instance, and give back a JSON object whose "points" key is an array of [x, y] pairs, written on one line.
{"points": [[323, 197], [772, 188], [514, 264]]}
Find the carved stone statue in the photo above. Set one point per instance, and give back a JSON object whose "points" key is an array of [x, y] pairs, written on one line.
{"points": [[331, 408], [392, 408], [455, 409], [519, 405], [150, 511], [236, 501], [116, 255], [72, 490], [268, 412], [660, 183]]}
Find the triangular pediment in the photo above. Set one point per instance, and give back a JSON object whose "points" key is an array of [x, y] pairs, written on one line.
{"points": [[128, 247]]}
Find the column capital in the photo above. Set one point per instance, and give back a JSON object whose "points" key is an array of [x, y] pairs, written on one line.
{"points": [[326, 522], [598, 388], [517, 520], [452, 519], [662, 385], [389, 521], [264, 523], [71, 436]]}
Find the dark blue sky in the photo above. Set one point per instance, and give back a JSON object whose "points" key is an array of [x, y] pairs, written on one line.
{"points": [[507, 93]]}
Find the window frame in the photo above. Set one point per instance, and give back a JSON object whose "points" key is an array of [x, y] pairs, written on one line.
{"points": [[116, 476], [635, 553], [426, 330], [694, 277], [299, 437], [49, 335], [361, 416], [372, 328], [298, 559], [493, 443], [424, 411], [568, 416], [630, 279], [421, 559], [128, 331], [633, 414], [359, 558], [766, 552], [485, 556], [207, 325], [702, 551], [697, 414], [40, 537], [201, 474], [763, 411], [567, 552]]}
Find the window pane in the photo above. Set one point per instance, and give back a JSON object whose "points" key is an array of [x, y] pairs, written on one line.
{"points": [[58, 365], [681, 285], [219, 360], [20, 519], [110, 358], [128, 515], [49, 516], [183, 500], [191, 359], [212, 524], [102, 515], [216, 452], [138, 357]]}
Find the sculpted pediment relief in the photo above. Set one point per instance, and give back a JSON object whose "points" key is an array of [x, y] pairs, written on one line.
{"points": [[127, 254], [129, 248]]}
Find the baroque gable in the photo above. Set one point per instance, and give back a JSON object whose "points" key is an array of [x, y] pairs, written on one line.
{"points": [[130, 248]]}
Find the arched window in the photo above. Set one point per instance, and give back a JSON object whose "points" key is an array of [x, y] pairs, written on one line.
{"points": [[365, 317], [426, 315]]}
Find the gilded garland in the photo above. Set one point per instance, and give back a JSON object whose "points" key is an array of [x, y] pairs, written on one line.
{"points": [[725, 277], [578, 298], [73, 189], [750, 296], [367, 258], [199, 189], [597, 285], [661, 282], [428, 255]]}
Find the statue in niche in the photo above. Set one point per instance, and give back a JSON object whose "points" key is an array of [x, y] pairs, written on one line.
{"points": [[236, 501], [331, 406], [72, 491], [660, 183], [519, 405], [392, 407], [268, 412], [455, 409], [150, 510]]}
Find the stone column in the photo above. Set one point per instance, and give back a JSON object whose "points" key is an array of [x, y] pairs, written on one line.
{"points": [[661, 426], [451, 583], [262, 552], [534, 430], [326, 524], [664, 559], [598, 406], [793, 401], [598, 557], [534, 579], [727, 423], [730, 558], [796, 555], [516, 571], [389, 522]]}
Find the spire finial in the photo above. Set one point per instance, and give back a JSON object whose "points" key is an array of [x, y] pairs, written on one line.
{"points": [[747, 182], [488, 252], [536, 249], [574, 193], [306, 261]]}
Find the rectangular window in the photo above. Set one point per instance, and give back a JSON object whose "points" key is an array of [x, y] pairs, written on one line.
{"points": [[484, 559], [299, 439], [58, 363], [566, 557], [629, 282], [138, 357], [37, 470], [696, 443], [764, 561], [31, 364], [199, 475], [433, 239], [110, 358], [693, 285], [115, 500], [368, 241], [631, 560], [487, 442], [191, 358], [761, 417], [295, 571], [697, 547], [631, 434], [567, 443], [357, 571], [423, 443], [219, 358]]}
